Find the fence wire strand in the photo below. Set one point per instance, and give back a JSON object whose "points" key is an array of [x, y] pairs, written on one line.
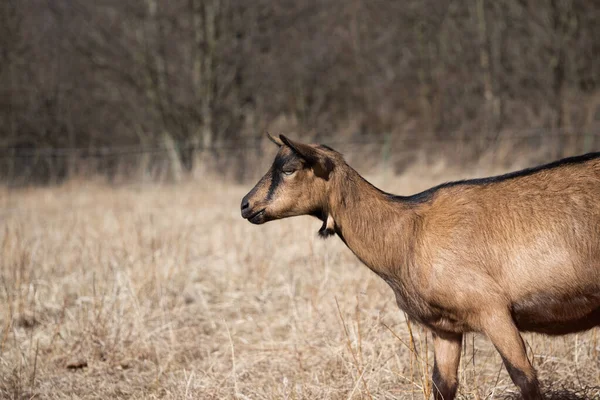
{"points": [[257, 143]]}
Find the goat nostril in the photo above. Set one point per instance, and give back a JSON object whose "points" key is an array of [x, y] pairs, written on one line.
{"points": [[245, 205]]}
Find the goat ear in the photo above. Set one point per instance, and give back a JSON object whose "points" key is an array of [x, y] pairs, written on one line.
{"points": [[320, 163], [303, 150], [275, 140]]}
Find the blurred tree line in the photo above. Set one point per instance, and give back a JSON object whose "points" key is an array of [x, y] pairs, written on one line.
{"points": [[198, 74]]}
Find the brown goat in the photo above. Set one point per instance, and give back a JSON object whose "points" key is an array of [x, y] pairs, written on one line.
{"points": [[517, 252]]}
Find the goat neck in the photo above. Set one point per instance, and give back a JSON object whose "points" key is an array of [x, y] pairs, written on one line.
{"points": [[376, 226]]}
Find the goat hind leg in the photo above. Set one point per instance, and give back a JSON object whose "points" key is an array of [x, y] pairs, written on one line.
{"points": [[501, 330]]}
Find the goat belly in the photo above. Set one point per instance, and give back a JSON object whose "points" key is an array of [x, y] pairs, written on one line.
{"points": [[554, 315]]}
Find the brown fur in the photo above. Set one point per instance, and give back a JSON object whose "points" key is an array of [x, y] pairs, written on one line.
{"points": [[496, 256]]}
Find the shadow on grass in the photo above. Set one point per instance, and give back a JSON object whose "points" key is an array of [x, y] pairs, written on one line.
{"points": [[564, 393]]}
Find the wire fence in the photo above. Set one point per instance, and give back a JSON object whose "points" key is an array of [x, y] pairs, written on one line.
{"points": [[139, 164], [428, 139], [235, 157]]}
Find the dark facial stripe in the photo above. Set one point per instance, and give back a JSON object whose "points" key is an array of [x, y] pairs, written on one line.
{"points": [[276, 168], [275, 181]]}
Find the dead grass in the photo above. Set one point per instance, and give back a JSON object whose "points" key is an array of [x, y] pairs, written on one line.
{"points": [[158, 291]]}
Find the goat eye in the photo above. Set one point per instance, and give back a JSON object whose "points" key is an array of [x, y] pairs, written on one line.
{"points": [[287, 173]]}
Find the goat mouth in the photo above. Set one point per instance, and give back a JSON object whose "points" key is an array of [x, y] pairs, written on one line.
{"points": [[256, 218]]}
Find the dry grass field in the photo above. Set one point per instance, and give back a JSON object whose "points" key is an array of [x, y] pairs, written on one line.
{"points": [[163, 291]]}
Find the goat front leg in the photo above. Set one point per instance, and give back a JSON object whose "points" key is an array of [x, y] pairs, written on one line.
{"points": [[446, 348], [500, 328]]}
